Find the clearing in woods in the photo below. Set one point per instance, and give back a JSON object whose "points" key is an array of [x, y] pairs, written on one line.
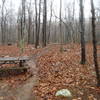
{"points": [[50, 71]]}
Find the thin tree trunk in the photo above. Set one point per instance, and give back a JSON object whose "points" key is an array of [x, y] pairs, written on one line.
{"points": [[33, 31], [44, 23], [29, 23], [2, 21], [23, 20], [50, 22], [38, 30], [55, 31], [83, 56], [29, 29], [36, 24], [60, 24], [94, 44]]}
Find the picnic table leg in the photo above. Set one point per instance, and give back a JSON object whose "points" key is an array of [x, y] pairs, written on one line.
{"points": [[21, 63]]}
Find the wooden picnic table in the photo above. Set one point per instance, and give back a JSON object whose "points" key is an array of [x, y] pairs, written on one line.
{"points": [[13, 60]]}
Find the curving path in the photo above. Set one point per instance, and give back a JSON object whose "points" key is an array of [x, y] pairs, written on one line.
{"points": [[23, 91]]}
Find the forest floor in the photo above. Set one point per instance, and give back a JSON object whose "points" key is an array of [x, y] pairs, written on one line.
{"points": [[63, 71], [20, 87], [51, 71]]}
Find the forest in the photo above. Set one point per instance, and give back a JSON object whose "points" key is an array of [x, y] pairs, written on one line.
{"points": [[49, 50]]}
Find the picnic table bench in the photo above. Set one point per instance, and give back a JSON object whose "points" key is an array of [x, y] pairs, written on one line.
{"points": [[13, 60]]}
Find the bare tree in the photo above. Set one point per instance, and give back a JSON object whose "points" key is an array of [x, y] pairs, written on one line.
{"points": [[44, 23], [60, 24], [11, 25], [19, 27], [50, 22], [39, 21], [55, 31], [23, 18], [94, 43], [3, 21], [38, 24], [29, 22], [82, 31], [33, 31]]}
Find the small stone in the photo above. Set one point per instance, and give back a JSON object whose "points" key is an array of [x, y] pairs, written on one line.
{"points": [[64, 93]]}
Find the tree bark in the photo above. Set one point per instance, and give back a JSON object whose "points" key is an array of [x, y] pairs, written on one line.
{"points": [[29, 23], [23, 19], [60, 24], [94, 44], [44, 23], [3, 21], [82, 29], [50, 22], [38, 26]]}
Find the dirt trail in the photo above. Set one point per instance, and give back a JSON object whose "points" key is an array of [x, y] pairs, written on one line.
{"points": [[23, 91]]}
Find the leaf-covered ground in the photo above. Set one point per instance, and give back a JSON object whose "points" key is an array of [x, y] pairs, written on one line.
{"points": [[14, 51], [57, 71], [63, 71]]}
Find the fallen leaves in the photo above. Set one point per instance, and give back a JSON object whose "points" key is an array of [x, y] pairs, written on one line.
{"points": [[14, 51], [63, 70], [58, 71]]}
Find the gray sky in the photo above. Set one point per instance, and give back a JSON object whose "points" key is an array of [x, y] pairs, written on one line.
{"points": [[56, 4]]}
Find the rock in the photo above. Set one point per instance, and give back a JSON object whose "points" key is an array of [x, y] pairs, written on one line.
{"points": [[64, 93]]}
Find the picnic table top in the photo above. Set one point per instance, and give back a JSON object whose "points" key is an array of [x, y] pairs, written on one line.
{"points": [[24, 58]]}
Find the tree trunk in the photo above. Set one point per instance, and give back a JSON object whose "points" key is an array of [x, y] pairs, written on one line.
{"points": [[60, 24], [50, 22], [83, 56], [29, 23], [3, 21], [23, 19], [44, 23], [38, 26], [36, 23], [94, 44]]}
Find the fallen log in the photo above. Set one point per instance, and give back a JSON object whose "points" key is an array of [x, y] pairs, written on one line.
{"points": [[6, 72]]}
